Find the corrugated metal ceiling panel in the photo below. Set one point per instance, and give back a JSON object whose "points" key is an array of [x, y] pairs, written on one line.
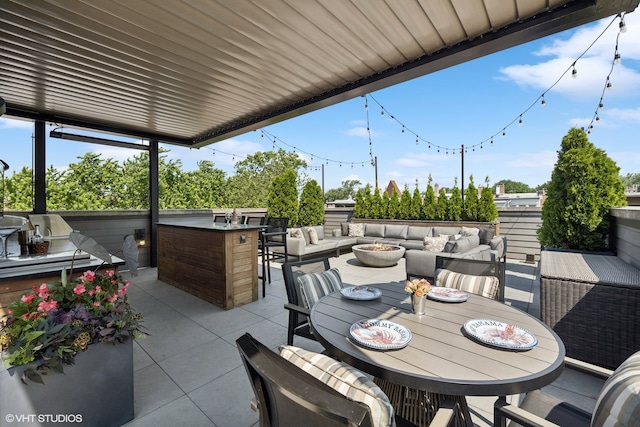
{"points": [[195, 71]]}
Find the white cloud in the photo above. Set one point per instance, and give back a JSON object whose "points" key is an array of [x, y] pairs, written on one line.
{"points": [[630, 115], [361, 132], [6, 123], [592, 68]]}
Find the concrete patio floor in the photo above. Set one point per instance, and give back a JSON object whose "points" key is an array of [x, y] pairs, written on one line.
{"points": [[189, 372]]}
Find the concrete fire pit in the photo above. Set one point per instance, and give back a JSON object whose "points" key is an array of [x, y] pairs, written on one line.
{"points": [[378, 255]]}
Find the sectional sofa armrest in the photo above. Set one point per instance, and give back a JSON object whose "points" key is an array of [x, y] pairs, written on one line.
{"points": [[296, 246], [498, 246]]}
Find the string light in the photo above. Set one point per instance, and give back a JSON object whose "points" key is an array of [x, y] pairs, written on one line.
{"points": [[622, 25], [616, 58], [520, 121], [574, 72], [543, 103]]}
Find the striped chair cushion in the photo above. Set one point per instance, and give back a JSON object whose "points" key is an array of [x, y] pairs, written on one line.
{"points": [[345, 379], [619, 401], [486, 286], [314, 286]]}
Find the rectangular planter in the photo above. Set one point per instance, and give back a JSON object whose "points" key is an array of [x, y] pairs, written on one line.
{"points": [[96, 391]]}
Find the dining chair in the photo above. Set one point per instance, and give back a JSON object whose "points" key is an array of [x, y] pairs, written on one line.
{"points": [[275, 242], [288, 393], [618, 403], [297, 306], [474, 279]]}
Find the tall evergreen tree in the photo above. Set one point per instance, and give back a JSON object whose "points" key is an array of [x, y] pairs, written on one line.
{"points": [[311, 210], [487, 210], [429, 204], [404, 210], [376, 204], [442, 206], [384, 207], [470, 203], [394, 206], [282, 201], [585, 185], [415, 212], [454, 213]]}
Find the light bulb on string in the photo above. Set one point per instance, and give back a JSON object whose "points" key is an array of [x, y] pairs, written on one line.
{"points": [[616, 58], [416, 140], [609, 85], [601, 106], [543, 103], [403, 129], [623, 26], [481, 147], [520, 121], [597, 118], [474, 148], [382, 111], [504, 133], [366, 104], [491, 140], [574, 72]]}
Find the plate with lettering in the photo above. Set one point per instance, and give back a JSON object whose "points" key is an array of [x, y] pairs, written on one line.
{"points": [[362, 293], [441, 293], [380, 334], [500, 334]]}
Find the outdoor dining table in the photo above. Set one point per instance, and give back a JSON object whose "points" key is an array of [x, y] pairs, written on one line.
{"points": [[440, 359]]}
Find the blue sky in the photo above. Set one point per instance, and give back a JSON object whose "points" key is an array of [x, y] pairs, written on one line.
{"points": [[466, 104]]}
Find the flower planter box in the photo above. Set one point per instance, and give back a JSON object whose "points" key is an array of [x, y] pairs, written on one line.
{"points": [[96, 391]]}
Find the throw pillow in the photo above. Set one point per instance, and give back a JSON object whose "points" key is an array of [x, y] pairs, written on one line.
{"points": [[486, 286], [314, 286], [619, 399], [313, 235], [345, 379], [297, 233], [485, 235], [435, 244], [467, 231], [356, 230]]}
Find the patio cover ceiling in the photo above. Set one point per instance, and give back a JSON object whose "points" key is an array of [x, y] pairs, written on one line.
{"points": [[193, 72]]}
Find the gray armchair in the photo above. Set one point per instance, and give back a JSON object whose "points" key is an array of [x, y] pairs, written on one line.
{"points": [[618, 402]]}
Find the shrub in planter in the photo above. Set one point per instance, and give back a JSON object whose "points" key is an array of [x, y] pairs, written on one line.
{"points": [[311, 205], [585, 184]]}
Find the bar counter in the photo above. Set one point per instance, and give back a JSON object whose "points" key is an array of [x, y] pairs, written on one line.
{"points": [[215, 262]]}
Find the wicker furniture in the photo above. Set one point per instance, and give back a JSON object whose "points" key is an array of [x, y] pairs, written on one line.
{"points": [[592, 302]]}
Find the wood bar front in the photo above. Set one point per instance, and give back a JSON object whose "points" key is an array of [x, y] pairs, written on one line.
{"points": [[215, 262]]}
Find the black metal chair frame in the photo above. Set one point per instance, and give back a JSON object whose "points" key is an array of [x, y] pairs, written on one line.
{"points": [[476, 268], [275, 235], [286, 395], [298, 314], [220, 218]]}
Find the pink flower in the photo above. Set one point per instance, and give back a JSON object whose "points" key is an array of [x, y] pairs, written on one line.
{"points": [[10, 311], [92, 292], [96, 304], [98, 289], [112, 298], [79, 289], [109, 273], [28, 298], [46, 306], [30, 316], [43, 291], [122, 291], [88, 275]]}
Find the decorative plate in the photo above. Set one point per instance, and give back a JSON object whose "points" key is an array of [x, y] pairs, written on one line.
{"points": [[380, 334], [500, 334], [440, 293], [362, 293]]}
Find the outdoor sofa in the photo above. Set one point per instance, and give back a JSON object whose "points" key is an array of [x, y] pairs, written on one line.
{"points": [[302, 242]]}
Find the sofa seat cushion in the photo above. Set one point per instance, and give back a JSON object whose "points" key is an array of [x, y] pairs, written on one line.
{"points": [[395, 242], [341, 242], [412, 244], [367, 240], [314, 286], [345, 379], [446, 231]]}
